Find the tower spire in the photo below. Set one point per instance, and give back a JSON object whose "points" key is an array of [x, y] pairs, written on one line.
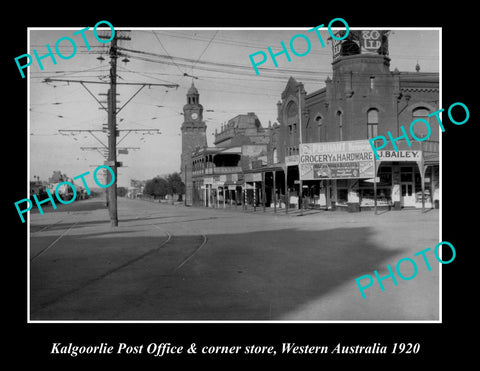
{"points": [[194, 136]]}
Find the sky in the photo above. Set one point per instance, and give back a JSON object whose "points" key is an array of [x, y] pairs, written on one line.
{"points": [[216, 60]]}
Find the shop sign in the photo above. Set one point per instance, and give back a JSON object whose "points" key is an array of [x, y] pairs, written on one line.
{"points": [[217, 181], [336, 160], [401, 155], [291, 160], [253, 177], [371, 40]]}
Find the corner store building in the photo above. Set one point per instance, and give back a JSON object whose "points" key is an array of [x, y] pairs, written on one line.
{"points": [[363, 99]]}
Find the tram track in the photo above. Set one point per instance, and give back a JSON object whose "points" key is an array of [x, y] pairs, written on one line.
{"points": [[102, 276], [188, 245], [203, 241], [46, 227], [184, 261], [54, 242]]}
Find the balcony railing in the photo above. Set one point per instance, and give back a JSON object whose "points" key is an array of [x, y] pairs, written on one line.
{"points": [[218, 170]]}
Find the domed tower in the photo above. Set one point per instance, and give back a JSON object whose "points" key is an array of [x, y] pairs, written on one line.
{"points": [[361, 97], [193, 136]]}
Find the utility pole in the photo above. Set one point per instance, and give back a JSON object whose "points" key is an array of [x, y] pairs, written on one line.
{"points": [[112, 118], [112, 132], [300, 138], [112, 154]]}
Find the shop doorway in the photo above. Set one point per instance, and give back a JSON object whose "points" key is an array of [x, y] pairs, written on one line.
{"points": [[407, 198]]}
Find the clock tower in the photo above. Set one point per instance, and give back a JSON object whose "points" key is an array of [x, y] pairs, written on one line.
{"points": [[193, 136]]}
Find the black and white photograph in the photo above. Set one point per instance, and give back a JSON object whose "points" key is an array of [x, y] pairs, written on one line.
{"points": [[204, 191], [218, 192]]}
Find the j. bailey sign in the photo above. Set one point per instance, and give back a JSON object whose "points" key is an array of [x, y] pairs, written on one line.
{"points": [[408, 155]]}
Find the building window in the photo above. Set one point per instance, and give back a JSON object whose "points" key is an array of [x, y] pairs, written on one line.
{"points": [[372, 82], [340, 124], [291, 109], [320, 128], [420, 129], [275, 156], [372, 123]]}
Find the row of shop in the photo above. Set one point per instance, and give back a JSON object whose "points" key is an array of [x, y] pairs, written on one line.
{"points": [[405, 184]]}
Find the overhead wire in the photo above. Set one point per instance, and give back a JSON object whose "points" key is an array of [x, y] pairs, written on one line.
{"points": [[208, 65], [324, 51], [204, 50], [268, 75], [279, 75], [163, 47]]}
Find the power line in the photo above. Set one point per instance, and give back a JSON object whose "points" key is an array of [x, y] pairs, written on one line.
{"points": [[204, 50], [229, 68], [147, 74], [186, 61], [163, 47], [301, 76], [235, 42], [324, 52], [112, 125]]}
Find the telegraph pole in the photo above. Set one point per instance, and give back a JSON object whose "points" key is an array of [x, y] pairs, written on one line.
{"points": [[300, 138], [112, 119], [112, 134]]}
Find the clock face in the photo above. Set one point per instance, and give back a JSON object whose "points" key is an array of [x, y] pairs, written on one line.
{"points": [[194, 116]]}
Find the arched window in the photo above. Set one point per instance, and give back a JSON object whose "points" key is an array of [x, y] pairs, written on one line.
{"points": [[320, 128], [372, 123], [420, 129], [340, 124], [275, 156]]}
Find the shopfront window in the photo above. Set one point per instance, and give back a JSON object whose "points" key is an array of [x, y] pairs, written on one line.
{"points": [[406, 177], [342, 192], [406, 174], [384, 188]]}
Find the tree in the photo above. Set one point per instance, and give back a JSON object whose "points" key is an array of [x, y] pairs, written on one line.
{"points": [[157, 187], [122, 191], [175, 185]]}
